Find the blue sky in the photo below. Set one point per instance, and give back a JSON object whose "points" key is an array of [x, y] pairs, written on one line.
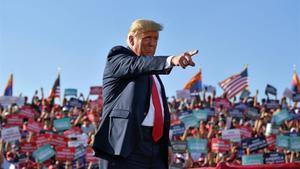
{"points": [[37, 37]]}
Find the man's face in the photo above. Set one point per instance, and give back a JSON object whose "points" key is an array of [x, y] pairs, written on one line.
{"points": [[144, 43]]}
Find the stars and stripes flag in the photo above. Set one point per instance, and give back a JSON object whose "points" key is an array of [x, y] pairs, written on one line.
{"points": [[235, 83], [55, 91]]}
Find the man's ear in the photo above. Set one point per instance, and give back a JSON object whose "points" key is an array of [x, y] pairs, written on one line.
{"points": [[131, 40]]}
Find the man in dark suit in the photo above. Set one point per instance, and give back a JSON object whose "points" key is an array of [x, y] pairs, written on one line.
{"points": [[134, 131]]}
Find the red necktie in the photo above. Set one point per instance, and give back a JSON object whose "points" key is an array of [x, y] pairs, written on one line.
{"points": [[158, 119]]}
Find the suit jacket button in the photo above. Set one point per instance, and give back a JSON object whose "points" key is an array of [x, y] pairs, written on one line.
{"points": [[145, 113]]}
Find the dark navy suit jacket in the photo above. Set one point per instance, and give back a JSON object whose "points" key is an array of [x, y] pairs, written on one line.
{"points": [[126, 93]]}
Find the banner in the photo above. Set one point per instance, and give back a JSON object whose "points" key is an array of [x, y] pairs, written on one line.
{"points": [[190, 121], [220, 146], [44, 153], [34, 126], [246, 132], [197, 145], [62, 124], [28, 147], [96, 90], [271, 141], [75, 103], [200, 114], [282, 141], [14, 120], [10, 134], [64, 153], [256, 143], [42, 139], [279, 117], [179, 146], [294, 144], [252, 159], [183, 94], [70, 92], [177, 129], [234, 135], [271, 90], [225, 103], [273, 104], [27, 111], [274, 158], [8, 100], [59, 140]]}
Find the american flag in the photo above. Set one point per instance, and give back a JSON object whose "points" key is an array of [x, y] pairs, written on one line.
{"points": [[235, 83], [55, 91]]}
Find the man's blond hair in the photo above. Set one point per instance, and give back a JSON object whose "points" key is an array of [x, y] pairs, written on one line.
{"points": [[143, 25]]}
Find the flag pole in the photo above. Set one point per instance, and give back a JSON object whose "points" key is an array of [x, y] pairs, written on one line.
{"points": [[59, 70]]}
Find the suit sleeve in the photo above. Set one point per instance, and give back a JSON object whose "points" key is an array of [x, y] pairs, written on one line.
{"points": [[124, 64]]}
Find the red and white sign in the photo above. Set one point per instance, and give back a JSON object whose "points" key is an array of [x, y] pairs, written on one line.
{"points": [[59, 140], [219, 145], [224, 102], [72, 131], [246, 132], [28, 147], [89, 156], [65, 153], [34, 126], [14, 120], [271, 141], [96, 90], [27, 111], [42, 139]]}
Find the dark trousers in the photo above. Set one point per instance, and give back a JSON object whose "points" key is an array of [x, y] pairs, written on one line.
{"points": [[147, 155]]}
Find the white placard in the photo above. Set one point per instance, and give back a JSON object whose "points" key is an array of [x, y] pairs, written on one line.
{"points": [[10, 134], [234, 135]]}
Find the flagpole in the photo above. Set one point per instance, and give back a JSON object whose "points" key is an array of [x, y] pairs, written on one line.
{"points": [[59, 70]]}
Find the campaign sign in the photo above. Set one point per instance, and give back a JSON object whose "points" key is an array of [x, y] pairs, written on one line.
{"points": [[64, 153], [225, 103], [282, 141], [256, 143], [72, 131], [236, 113], [177, 129], [200, 114], [296, 97], [219, 145], [183, 94], [273, 104], [75, 102], [14, 120], [179, 146], [274, 158], [5, 101], [79, 152], [89, 156], [34, 126], [234, 135], [279, 117], [271, 141], [176, 166], [42, 139], [197, 145], [70, 92], [245, 93], [246, 132], [43, 153], [241, 107], [10, 134], [210, 112], [62, 124], [96, 90], [28, 147], [184, 114], [27, 111], [252, 113], [190, 121], [59, 140], [254, 159], [294, 144]]}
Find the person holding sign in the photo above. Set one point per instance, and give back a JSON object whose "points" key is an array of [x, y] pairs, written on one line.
{"points": [[134, 132]]}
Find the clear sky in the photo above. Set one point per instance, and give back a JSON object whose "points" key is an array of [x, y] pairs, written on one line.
{"points": [[38, 36]]}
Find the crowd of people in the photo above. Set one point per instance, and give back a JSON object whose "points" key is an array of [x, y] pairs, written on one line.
{"points": [[205, 130]]}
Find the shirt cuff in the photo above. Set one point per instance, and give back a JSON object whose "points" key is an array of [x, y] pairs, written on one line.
{"points": [[168, 63]]}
